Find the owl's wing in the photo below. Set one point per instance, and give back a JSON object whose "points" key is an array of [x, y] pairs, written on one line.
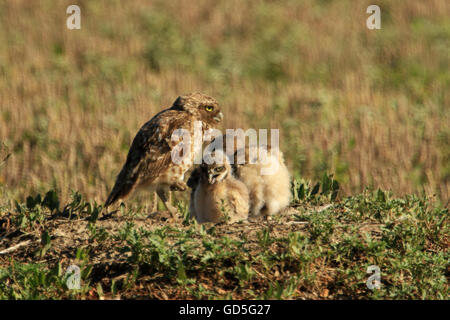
{"points": [[239, 206], [149, 154]]}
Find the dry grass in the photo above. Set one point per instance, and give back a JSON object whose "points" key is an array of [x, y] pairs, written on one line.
{"points": [[370, 106]]}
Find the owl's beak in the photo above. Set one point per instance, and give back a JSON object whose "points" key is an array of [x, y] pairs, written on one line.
{"points": [[219, 117], [212, 178]]}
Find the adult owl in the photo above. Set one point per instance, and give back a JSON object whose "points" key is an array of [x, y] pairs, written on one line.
{"points": [[149, 162]]}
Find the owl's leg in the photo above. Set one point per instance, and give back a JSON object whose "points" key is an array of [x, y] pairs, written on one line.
{"points": [[163, 196], [178, 186], [170, 196], [155, 202], [270, 208]]}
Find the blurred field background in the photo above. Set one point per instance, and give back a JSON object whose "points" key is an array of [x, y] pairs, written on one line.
{"points": [[370, 106]]}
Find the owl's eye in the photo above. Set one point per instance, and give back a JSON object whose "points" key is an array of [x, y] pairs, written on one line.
{"points": [[209, 108], [219, 169]]}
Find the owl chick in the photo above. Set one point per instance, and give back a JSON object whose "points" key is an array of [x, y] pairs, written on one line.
{"points": [[267, 180], [149, 162], [217, 195]]}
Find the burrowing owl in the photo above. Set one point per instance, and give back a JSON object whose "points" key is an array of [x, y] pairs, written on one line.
{"points": [[270, 192], [217, 195], [149, 162]]}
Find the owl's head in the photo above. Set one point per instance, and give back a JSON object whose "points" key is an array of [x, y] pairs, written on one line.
{"points": [[204, 107], [218, 169], [216, 172]]}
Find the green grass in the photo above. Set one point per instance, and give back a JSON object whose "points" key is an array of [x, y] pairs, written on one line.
{"points": [[314, 253]]}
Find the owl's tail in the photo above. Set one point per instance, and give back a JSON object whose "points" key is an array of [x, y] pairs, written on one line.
{"points": [[122, 188]]}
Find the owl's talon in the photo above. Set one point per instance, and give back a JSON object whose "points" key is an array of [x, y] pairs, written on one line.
{"points": [[178, 186]]}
